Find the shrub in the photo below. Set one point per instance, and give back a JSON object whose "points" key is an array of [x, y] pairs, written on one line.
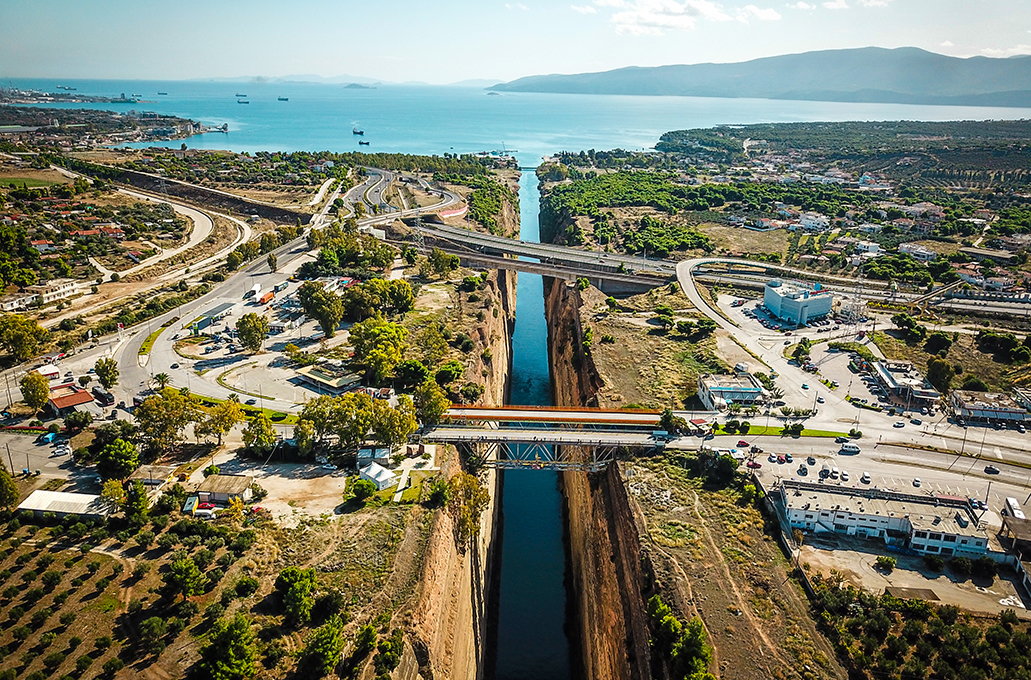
{"points": [[67, 618], [934, 562], [886, 564], [246, 586], [961, 566], [103, 643], [74, 641], [51, 579], [47, 638], [112, 666], [83, 663], [140, 570]]}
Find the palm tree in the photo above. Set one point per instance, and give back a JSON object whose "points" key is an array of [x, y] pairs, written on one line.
{"points": [[162, 379]]}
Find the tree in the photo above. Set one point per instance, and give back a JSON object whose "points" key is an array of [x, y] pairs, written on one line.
{"points": [[705, 326], [252, 329], [321, 305], [322, 652], [431, 403], [304, 435], [118, 460], [449, 372], [162, 418], [468, 501], [392, 426], [8, 489], [107, 372], [272, 261], [230, 653], [137, 504], [151, 632], [35, 390], [940, 374], [352, 418], [321, 413], [220, 420], [378, 345], [162, 379], [363, 489], [442, 264], [85, 380], [296, 588], [432, 345], [410, 372], [183, 578], [21, 336], [259, 435], [113, 492], [671, 423], [77, 420]]}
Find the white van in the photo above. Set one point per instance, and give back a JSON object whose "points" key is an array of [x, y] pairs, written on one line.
{"points": [[834, 473], [850, 448]]}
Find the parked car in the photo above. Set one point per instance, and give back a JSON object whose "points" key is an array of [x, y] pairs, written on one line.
{"points": [[772, 458], [803, 470], [805, 386], [788, 458], [899, 423], [743, 444], [753, 465], [916, 481], [780, 459], [841, 440], [865, 479], [811, 460], [205, 506]]}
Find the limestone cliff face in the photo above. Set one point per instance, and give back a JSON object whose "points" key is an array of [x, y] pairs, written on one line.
{"points": [[448, 626], [605, 552]]}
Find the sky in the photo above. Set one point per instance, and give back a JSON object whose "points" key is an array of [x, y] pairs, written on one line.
{"points": [[437, 42]]}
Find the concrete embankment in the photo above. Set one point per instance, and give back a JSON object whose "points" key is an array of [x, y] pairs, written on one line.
{"points": [[449, 624], [608, 571]]}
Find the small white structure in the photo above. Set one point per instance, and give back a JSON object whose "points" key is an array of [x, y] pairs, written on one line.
{"points": [[62, 503], [374, 454], [222, 488], [49, 371], [378, 475]]}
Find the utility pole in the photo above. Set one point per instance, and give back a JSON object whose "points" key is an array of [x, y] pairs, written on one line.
{"points": [[10, 459]]}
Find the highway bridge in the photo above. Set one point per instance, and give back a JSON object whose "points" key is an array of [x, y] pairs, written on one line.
{"points": [[544, 438]]}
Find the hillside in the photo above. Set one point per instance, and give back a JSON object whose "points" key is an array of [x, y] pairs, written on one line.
{"points": [[870, 74]]}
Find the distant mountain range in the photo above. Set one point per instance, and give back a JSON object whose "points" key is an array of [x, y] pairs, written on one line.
{"points": [[338, 80], [906, 75]]}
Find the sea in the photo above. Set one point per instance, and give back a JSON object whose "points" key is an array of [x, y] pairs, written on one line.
{"points": [[438, 120], [531, 637]]}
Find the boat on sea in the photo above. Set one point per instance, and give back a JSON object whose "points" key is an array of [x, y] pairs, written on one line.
{"points": [[284, 99], [242, 101], [163, 93], [240, 95], [356, 131], [362, 142], [137, 95]]}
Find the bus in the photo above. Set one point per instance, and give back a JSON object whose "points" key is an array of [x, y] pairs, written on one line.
{"points": [[1014, 508], [103, 396]]}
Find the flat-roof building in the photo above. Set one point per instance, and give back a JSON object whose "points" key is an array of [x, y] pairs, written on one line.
{"points": [[930, 525], [717, 392], [212, 315], [221, 488], [902, 380], [795, 304], [327, 377], [62, 503], [985, 406]]}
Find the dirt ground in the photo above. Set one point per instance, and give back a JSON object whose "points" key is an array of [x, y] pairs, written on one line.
{"points": [[644, 364], [854, 560], [712, 556], [738, 239], [9, 172], [274, 194]]}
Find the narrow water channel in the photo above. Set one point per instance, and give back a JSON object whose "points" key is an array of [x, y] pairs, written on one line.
{"points": [[532, 643]]}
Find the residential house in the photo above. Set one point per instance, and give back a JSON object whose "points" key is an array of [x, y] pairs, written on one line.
{"points": [[222, 488], [812, 221], [378, 475], [43, 246], [58, 289], [867, 247], [922, 253]]}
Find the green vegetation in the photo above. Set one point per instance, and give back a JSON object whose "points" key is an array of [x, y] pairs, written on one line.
{"points": [[487, 199], [682, 646]]}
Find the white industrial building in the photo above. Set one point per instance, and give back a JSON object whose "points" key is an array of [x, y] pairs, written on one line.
{"points": [[62, 503], [717, 392], [901, 380], [985, 406], [795, 304], [925, 524]]}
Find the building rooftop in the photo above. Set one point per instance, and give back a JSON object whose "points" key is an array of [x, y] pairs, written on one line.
{"points": [[66, 396], [329, 376], [925, 513], [66, 503], [792, 290], [985, 401], [217, 311], [227, 484], [741, 381]]}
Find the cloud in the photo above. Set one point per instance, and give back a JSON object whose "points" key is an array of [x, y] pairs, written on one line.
{"points": [[752, 12], [874, 3], [947, 43], [1006, 52], [584, 9], [836, 4], [652, 17], [518, 5], [802, 5]]}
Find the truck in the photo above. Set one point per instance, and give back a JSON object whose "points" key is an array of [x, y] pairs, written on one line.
{"points": [[103, 396], [253, 292], [266, 298], [1014, 508], [280, 287]]}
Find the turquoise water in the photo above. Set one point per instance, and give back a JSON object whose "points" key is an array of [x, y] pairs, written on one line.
{"points": [[531, 642], [437, 120]]}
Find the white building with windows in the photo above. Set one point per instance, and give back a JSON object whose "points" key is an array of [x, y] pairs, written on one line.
{"points": [[795, 304], [717, 392], [928, 525], [58, 289], [922, 253]]}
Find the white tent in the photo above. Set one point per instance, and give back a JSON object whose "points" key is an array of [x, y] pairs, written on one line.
{"points": [[378, 475], [49, 371]]}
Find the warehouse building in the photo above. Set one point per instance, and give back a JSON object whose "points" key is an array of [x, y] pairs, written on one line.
{"points": [[717, 392]]}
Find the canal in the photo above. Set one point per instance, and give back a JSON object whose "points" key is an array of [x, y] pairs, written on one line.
{"points": [[531, 632]]}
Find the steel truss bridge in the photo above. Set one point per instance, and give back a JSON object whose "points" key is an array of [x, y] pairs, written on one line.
{"points": [[539, 438]]}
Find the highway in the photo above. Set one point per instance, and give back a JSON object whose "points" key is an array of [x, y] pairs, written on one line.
{"points": [[600, 438]]}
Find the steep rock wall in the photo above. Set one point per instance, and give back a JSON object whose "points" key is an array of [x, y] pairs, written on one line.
{"points": [[448, 626], [605, 553]]}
